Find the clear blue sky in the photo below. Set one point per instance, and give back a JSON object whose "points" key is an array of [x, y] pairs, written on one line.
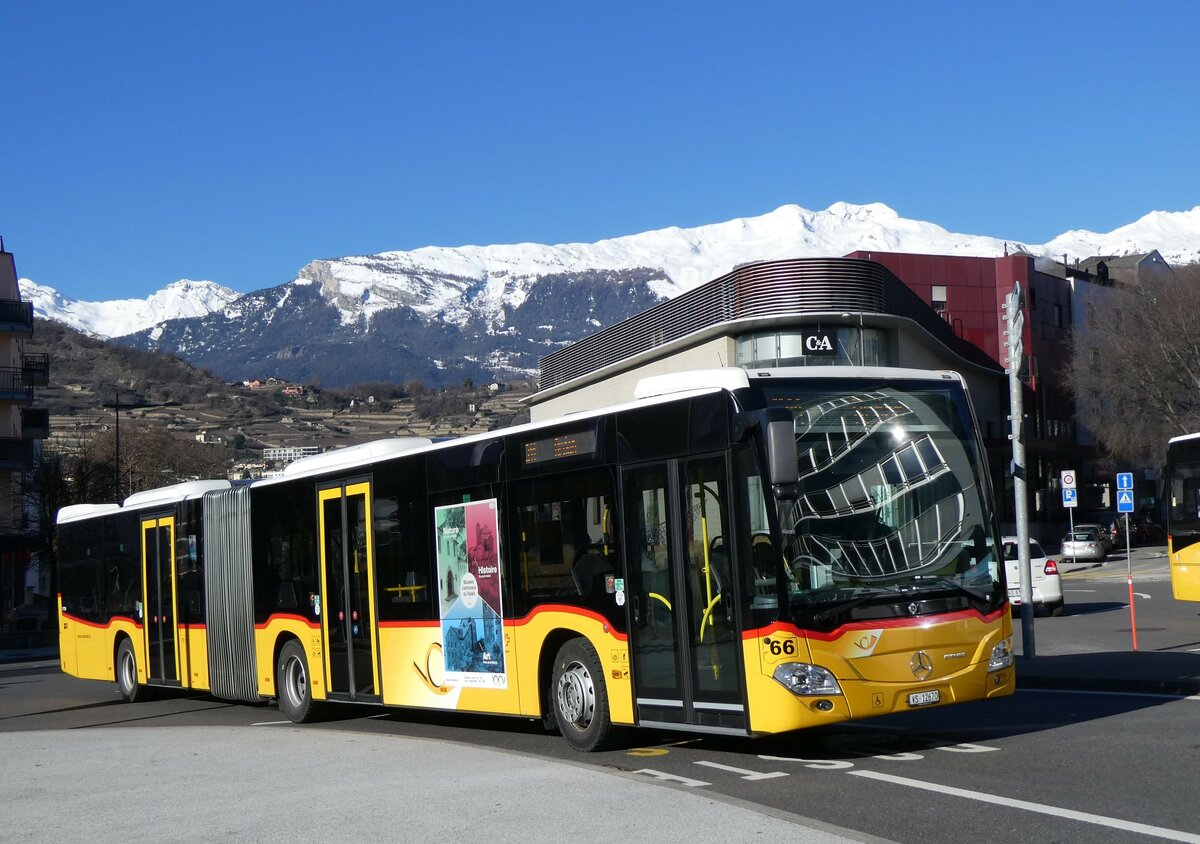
{"points": [[234, 141]]}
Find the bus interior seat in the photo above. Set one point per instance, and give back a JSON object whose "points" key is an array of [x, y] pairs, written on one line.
{"points": [[588, 569]]}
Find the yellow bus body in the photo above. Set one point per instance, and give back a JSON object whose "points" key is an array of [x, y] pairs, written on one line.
{"points": [[872, 662], [1185, 571]]}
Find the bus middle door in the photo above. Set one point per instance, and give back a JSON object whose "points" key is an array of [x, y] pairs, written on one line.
{"points": [[684, 642], [159, 617], [347, 578]]}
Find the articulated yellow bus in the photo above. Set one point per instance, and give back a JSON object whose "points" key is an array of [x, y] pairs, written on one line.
{"points": [[1183, 516], [734, 552]]}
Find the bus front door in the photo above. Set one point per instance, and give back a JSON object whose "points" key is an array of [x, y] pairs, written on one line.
{"points": [[160, 621], [685, 649], [348, 617]]}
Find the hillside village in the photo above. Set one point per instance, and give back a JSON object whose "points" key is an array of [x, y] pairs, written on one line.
{"points": [[262, 423]]}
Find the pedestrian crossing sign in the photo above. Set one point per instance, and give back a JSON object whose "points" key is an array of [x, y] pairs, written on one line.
{"points": [[1125, 501]]}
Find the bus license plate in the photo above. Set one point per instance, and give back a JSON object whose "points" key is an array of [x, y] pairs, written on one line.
{"points": [[1014, 596], [924, 698]]}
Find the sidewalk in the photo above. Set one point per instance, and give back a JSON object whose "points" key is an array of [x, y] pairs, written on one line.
{"points": [[1145, 672]]}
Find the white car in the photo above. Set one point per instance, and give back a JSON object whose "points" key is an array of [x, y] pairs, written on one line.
{"points": [[1046, 581]]}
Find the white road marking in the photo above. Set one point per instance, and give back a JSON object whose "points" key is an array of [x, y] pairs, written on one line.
{"points": [[662, 775], [269, 723], [742, 772], [966, 747], [1069, 814]]}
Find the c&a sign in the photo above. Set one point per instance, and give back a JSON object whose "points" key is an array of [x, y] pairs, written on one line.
{"points": [[820, 342]]}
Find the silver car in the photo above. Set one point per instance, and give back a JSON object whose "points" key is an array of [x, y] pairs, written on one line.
{"points": [[1084, 544]]}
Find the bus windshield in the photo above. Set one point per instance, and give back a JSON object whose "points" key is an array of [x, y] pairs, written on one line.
{"points": [[893, 515], [1183, 479]]}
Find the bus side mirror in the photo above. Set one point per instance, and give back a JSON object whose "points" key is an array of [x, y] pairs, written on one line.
{"points": [[782, 467], [778, 431]]}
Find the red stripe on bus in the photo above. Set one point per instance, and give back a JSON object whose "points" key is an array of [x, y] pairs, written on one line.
{"points": [[287, 616], [97, 625], [566, 609], [518, 622]]}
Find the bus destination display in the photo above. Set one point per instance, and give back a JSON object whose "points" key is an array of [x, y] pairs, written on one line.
{"points": [[556, 448]]}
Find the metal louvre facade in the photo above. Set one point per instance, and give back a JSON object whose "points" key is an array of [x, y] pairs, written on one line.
{"points": [[229, 595], [762, 289]]}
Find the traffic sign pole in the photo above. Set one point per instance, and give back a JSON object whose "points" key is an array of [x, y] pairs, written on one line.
{"points": [[1125, 505], [1070, 501]]}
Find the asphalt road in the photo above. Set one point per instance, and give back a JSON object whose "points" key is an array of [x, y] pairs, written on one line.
{"points": [[1044, 765]]}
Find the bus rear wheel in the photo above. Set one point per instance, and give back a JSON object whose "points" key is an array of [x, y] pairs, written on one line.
{"points": [[292, 684], [579, 698], [127, 674]]}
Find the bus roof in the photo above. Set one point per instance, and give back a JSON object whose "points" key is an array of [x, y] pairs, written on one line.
{"points": [[1183, 438], [75, 512], [368, 452], [174, 493]]}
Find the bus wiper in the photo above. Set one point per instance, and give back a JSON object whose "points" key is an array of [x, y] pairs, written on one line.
{"points": [[846, 606], [943, 584], [918, 586]]}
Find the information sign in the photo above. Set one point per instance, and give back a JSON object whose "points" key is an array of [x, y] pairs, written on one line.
{"points": [[1070, 497]]}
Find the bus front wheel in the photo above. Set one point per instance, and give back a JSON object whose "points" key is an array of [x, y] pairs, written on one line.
{"points": [[292, 684], [127, 674], [579, 698]]}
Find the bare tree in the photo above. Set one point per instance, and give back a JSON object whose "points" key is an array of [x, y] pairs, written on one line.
{"points": [[1135, 368], [151, 457]]}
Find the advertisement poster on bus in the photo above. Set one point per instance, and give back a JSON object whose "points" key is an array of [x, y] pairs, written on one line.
{"points": [[468, 557]]}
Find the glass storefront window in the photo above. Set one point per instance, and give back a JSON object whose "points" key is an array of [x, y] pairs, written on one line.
{"points": [[854, 346]]}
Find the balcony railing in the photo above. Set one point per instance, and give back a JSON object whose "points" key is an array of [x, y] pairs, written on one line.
{"points": [[16, 454], [13, 386], [35, 423], [16, 316], [35, 370]]}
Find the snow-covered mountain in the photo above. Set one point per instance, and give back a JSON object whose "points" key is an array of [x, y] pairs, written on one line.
{"points": [[118, 317], [442, 313]]}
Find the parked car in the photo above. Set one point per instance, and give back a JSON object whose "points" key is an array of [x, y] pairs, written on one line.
{"points": [[1101, 531], [1045, 581], [1112, 524], [1084, 544], [1145, 532]]}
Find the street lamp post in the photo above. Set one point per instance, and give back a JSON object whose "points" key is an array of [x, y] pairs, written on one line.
{"points": [[116, 406]]}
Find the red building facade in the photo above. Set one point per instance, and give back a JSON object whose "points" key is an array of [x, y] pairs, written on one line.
{"points": [[968, 292]]}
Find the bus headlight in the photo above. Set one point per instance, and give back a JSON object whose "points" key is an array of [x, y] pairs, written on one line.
{"points": [[1002, 656], [800, 678]]}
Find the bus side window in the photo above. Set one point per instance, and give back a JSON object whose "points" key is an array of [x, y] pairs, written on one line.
{"points": [[564, 526]]}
